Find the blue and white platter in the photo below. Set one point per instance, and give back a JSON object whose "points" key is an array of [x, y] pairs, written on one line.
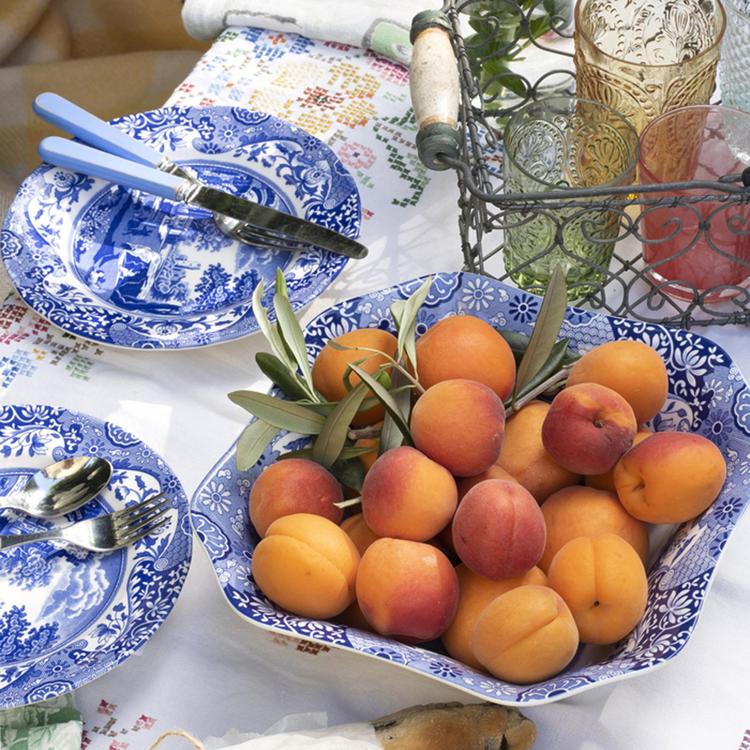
{"points": [[127, 269], [68, 616], [706, 395]]}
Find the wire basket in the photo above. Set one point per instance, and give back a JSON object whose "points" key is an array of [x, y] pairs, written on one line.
{"points": [[627, 285]]}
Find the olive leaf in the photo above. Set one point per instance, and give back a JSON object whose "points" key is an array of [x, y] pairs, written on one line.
{"points": [[550, 367], [332, 438], [385, 398], [546, 329], [281, 375], [406, 320], [347, 452], [291, 332], [391, 435], [351, 473], [280, 413], [269, 330], [252, 442]]}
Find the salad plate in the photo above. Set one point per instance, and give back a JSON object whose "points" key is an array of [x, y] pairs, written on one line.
{"points": [[67, 616], [127, 269], [707, 395]]}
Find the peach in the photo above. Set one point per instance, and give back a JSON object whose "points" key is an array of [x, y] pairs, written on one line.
{"points": [[631, 368], [588, 428], [498, 530], [525, 635], [670, 477], [603, 581], [584, 511], [294, 485], [459, 423], [307, 565], [523, 454], [331, 364], [407, 589], [407, 495], [494, 472], [464, 346], [606, 481], [475, 593], [359, 532]]}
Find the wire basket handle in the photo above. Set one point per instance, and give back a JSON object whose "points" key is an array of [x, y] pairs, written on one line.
{"points": [[434, 89]]}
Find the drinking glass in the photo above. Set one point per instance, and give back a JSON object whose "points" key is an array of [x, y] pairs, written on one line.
{"points": [[645, 57], [699, 247], [556, 143], [734, 70]]}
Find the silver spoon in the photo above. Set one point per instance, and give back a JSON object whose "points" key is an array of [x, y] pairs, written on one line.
{"points": [[61, 487]]}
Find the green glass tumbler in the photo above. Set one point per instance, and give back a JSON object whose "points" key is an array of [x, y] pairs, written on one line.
{"points": [[560, 143]]}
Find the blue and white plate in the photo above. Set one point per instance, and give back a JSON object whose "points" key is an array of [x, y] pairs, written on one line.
{"points": [[127, 269], [706, 395], [68, 616]]}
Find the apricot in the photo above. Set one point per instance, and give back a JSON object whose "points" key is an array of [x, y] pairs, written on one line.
{"points": [[464, 484], [474, 594], [603, 581], [524, 456], [307, 565], [359, 532], [331, 364], [459, 423], [525, 635], [588, 427], [631, 368], [407, 495], [498, 530], [368, 459], [407, 589], [670, 477], [584, 511], [294, 485], [606, 481], [464, 346]]}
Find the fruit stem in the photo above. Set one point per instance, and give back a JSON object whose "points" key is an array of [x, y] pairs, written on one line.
{"points": [[372, 431], [348, 503], [560, 376]]}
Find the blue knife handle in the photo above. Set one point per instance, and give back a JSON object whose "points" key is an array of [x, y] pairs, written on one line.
{"points": [[80, 158], [90, 129]]}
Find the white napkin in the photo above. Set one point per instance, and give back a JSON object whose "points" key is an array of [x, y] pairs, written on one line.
{"points": [[379, 25]]}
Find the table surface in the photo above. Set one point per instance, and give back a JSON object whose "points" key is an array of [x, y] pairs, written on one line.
{"points": [[206, 670]]}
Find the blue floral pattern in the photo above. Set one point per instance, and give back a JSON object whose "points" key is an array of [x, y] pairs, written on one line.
{"points": [[706, 395], [128, 269], [67, 615]]}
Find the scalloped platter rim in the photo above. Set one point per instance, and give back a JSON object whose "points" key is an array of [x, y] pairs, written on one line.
{"points": [[707, 394]]}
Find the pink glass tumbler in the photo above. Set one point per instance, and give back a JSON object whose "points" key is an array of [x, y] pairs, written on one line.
{"points": [[700, 250]]}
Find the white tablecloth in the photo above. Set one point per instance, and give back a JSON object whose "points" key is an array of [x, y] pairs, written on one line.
{"points": [[207, 671]]}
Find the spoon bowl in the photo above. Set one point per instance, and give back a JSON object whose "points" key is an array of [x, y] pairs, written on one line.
{"points": [[61, 487]]}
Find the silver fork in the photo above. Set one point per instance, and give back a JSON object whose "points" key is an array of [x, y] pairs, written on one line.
{"points": [[105, 533]]}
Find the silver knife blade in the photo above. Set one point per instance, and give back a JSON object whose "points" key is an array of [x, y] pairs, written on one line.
{"points": [[269, 219]]}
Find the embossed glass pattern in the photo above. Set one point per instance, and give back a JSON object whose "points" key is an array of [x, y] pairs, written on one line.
{"points": [[697, 247], [552, 144], [647, 57], [734, 67]]}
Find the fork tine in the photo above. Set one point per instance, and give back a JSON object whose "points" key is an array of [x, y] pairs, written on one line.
{"points": [[140, 513], [133, 509], [149, 528], [141, 522]]}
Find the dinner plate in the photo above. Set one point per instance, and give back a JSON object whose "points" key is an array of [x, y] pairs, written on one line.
{"points": [[707, 395], [125, 268], [67, 616]]}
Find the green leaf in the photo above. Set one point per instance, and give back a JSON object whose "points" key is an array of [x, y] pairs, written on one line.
{"points": [[270, 331], [385, 398], [407, 323], [351, 473], [348, 451], [278, 412], [554, 362], [546, 329], [280, 375], [291, 332], [332, 438], [252, 442]]}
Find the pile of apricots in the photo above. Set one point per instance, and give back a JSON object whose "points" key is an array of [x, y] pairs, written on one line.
{"points": [[546, 515]]}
